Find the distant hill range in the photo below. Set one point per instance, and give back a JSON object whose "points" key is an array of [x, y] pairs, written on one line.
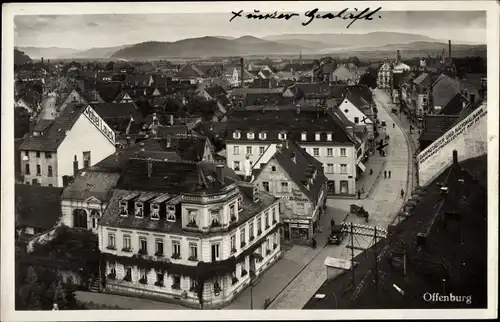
{"points": [[222, 46]]}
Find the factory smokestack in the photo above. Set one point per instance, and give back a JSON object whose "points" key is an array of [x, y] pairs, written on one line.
{"points": [[449, 50], [242, 77]]}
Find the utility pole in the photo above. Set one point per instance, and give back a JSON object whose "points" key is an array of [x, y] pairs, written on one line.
{"points": [[352, 253], [376, 260]]}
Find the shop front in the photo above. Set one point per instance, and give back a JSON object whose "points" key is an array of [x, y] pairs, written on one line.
{"points": [[298, 230]]}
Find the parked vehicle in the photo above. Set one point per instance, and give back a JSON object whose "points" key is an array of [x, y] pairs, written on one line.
{"points": [[394, 110], [383, 124], [337, 234]]}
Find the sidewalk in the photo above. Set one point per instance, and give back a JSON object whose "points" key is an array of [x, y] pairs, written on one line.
{"points": [[277, 278]]}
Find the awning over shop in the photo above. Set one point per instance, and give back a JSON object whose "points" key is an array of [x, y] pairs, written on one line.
{"points": [[362, 166]]}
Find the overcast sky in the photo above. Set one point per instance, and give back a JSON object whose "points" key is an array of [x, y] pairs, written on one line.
{"points": [[86, 31]]}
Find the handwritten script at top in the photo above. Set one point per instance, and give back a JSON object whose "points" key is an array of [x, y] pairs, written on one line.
{"points": [[354, 16]]}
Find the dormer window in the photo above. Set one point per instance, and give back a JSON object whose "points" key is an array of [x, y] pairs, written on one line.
{"points": [[250, 135], [317, 136], [139, 211], [236, 135], [282, 135], [171, 213], [155, 211], [303, 136], [123, 208], [263, 135], [329, 136]]}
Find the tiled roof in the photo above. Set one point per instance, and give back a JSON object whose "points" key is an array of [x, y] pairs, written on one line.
{"points": [[444, 89], [455, 106], [167, 176], [138, 79], [422, 79], [56, 132], [31, 199], [189, 71], [163, 131], [266, 73], [436, 125], [300, 170], [361, 91], [116, 110], [108, 91], [91, 184], [263, 83], [313, 88], [219, 94], [112, 218], [455, 251], [182, 147], [275, 120], [298, 67], [254, 99]]}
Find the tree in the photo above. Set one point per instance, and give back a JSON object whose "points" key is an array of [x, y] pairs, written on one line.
{"points": [[28, 295], [21, 122], [354, 60], [368, 80], [110, 66]]}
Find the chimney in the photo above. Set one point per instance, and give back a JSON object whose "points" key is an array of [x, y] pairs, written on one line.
{"points": [[220, 172], [150, 167], [75, 166], [142, 147], [171, 119], [455, 157], [399, 56], [242, 78], [128, 141], [42, 60], [449, 50]]}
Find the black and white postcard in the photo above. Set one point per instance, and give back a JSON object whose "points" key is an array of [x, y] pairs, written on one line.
{"points": [[254, 160]]}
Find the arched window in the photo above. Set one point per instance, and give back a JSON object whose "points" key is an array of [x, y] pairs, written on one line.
{"points": [[95, 215], [79, 218]]}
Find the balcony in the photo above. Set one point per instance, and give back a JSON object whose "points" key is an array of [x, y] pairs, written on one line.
{"points": [[193, 258], [143, 280], [159, 254], [176, 286], [176, 256], [142, 251], [111, 247], [127, 249], [159, 283]]}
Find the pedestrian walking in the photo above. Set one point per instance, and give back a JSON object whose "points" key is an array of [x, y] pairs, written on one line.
{"points": [[332, 222], [359, 194], [385, 173], [402, 193], [389, 174], [371, 171], [363, 187], [314, 244], [393, 125]]}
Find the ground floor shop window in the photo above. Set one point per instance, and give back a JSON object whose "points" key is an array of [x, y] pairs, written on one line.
{"points": [[300, 233], [331, 187], [344, 186], [286, 231]]}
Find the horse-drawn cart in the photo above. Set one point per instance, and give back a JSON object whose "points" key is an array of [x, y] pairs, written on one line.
{"points": [[360, 211]]}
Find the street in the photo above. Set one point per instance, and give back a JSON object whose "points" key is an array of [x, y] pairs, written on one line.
{"points": [[383, 204], [48, 109], [295, 278]]}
